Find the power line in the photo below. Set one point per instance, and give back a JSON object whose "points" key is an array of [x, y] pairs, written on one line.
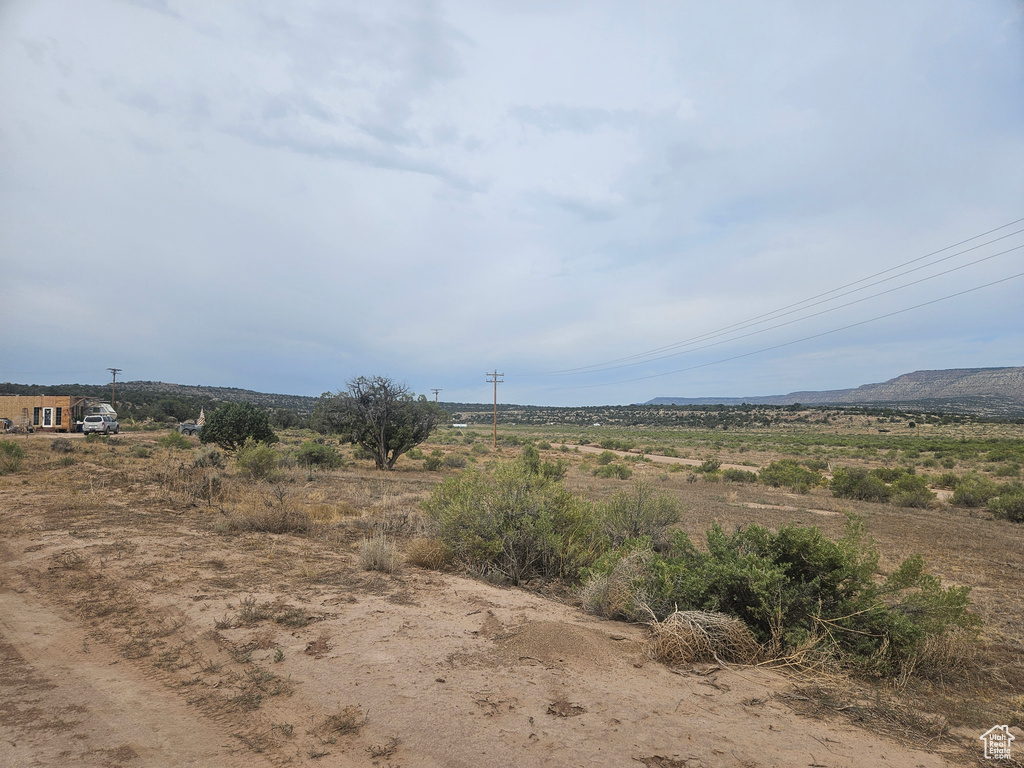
{"points": [[798, 319], [780, 312], [797, 341]]}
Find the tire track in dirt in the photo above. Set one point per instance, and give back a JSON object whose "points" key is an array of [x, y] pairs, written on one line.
{"points": [[77, 703]]}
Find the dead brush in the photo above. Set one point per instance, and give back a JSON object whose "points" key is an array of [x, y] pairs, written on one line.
{"points": [[269, 514], [618, 594], [377, 553], [347, 720], [431, 554], [685, 637]]}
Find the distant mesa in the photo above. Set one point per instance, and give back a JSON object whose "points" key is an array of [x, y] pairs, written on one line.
{"points": [[984, 391]]}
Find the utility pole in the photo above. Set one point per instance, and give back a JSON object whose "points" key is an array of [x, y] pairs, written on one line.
{"points": [[115, 371], [495, 381], [435, 391]]}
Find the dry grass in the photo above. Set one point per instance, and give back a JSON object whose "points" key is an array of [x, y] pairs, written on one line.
{"points": [[616, 596], [378, 553], [686, 637], [431, 554]]}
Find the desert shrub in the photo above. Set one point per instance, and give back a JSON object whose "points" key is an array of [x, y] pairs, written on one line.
{"points": [[377, 553], [209, 457], [617, 444], [949, 462], [614, 471], [795, 588], [911, 491], [313, 454], [415, 453], [614, 588], [973, 490], [708, 466], [433, 463], [11, 456], [140, 452], [1009, 504], [948, 480], [514, 522], [639, 512], [605, 457], [550, 470], [1011, 469], [479, 449], [454, 461], [739, 476], [788, 473], [234, 424], [62, 445], [888, 474], [428, 553], [858, 483], [257, 460], [174, 440]]}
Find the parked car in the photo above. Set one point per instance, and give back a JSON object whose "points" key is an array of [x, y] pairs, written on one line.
{"points": [[105, 425], [189, 428]]}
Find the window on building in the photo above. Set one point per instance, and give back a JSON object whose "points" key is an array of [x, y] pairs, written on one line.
{"points": [[60, 416], [35, 416]]}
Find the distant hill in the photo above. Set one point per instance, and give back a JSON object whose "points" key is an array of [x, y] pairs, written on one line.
{"points": [[983, 391], [301, 404]]}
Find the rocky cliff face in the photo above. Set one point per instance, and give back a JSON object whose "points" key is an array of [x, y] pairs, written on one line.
{"points": [[986, 391]]}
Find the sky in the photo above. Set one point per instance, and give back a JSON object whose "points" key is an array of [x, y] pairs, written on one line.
{"points": [[604, 202]]}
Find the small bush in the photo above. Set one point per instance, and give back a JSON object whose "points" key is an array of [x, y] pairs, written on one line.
{"points": [[140, 452], [911, 491], [973, 490], [605, 457], [739, 476], [376, 553], [433, 463], [312, 454], [174, 440], [479, 449], [428, 553], [454, 461], [62, 445], [209, 456], [11, 456], [788, 473], [639, 512], [858, 483], [1009, 504], [415, 453], [257, 460], [614, 471], [708, 466], [514, 522], [793, 588]]}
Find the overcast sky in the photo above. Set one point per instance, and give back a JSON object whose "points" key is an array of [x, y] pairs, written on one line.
{"points": [[281, 196]]}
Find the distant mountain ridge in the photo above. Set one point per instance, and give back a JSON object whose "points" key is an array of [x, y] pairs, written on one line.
{"points": [[301, 404], [983, 391]]}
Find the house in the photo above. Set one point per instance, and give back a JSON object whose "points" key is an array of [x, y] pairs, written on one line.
{"points": [[46, 413]]}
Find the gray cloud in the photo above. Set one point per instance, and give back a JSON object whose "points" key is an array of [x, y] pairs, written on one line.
{"points": [[430, 190]]}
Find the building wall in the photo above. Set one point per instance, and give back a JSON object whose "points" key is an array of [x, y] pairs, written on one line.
{"points": [[29, 410]]}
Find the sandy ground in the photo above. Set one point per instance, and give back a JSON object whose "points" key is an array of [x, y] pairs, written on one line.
{"points": [[438, 671], [136, 632]]}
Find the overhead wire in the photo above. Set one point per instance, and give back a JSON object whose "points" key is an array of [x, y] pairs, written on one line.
{"points": [[804, 303], [801, 319], [797, 341]]}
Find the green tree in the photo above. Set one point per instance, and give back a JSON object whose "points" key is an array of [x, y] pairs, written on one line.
{"points": [[379, 415], [232, 424]]}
